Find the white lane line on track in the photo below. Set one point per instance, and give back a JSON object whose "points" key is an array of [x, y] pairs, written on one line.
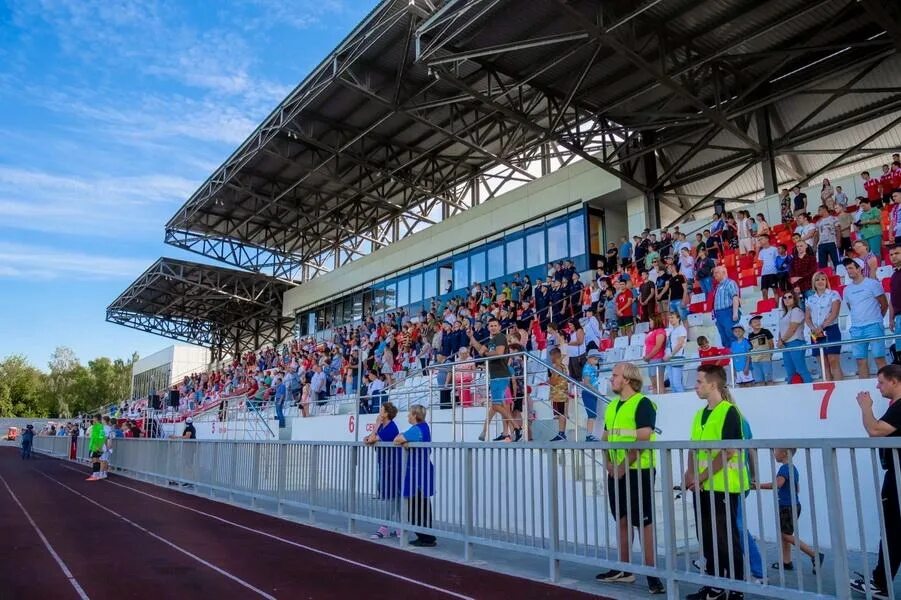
{"points": [[62, 565], [172, 545], [286, 541]]}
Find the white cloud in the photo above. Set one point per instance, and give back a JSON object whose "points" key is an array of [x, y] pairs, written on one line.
{"points": [[40, 262], [93, 206]]}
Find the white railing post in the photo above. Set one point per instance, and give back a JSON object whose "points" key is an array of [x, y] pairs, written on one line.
{"points": [[552, 515], [836, 530], [468, 500], [281, 476]]}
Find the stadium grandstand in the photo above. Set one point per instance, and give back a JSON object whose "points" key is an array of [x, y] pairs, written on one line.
{"points": [[538, 210]]}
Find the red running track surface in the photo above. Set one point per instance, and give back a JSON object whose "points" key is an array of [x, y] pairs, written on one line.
{"points": [[125, 539]]}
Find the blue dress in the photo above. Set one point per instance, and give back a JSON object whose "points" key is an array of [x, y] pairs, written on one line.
{"points": [[419, 474], [389, 462]]}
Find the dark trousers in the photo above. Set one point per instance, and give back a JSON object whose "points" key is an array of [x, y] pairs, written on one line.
{"points": [[26, 449], [419, 509], [826, 252], [716, 514], [892, 515]]}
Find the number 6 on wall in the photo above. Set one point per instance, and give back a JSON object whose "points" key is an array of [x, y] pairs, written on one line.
{"points": [[828, 387]]}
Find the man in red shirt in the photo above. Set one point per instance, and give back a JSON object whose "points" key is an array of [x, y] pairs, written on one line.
{"points": [[872, 187], [896, 175], [624, 300], [886, 185]]}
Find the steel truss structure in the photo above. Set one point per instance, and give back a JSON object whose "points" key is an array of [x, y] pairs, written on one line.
{"points": [[425, 110], [226, 310]]}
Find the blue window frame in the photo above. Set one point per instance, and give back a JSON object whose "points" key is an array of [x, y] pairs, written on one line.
{"points": [[535, 255], [477, 267], [430, 283], [461, 273], [496, 262], [577, 235], [391, 296], [416, 288], [403, 291], [515, 257], [557, 243]]}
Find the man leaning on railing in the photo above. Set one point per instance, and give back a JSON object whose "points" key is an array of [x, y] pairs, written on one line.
{"points": [[888, 381]]}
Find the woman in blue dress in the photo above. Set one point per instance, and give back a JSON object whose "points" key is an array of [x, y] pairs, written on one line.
{"points": [[388, 462], [419, 475]]}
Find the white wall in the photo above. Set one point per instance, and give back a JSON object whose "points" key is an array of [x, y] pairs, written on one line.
{"points": [[575, 183]]}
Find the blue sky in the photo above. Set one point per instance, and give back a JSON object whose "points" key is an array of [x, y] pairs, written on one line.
{"points": [[112, 112]]}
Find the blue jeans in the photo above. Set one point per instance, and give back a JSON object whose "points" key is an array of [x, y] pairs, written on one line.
{"points": [[754, 560], [795, 362], [674, 374], [676, 306], [26, 449], [724, 325], [706, 284], [875, 244], [280, 412]]}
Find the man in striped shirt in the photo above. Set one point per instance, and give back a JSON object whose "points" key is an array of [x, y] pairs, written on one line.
{"points": [[726, 306]]}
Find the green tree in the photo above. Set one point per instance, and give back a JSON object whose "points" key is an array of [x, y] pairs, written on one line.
{"points": [[23, 391]]}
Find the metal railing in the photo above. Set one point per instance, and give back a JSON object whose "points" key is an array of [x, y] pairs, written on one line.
{"points": [[555, 501]]}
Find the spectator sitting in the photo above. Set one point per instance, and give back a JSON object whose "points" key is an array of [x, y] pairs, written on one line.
{"points": [[708, 351]]}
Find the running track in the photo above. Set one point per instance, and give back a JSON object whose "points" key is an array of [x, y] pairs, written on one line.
{"points": [[63, 537]]}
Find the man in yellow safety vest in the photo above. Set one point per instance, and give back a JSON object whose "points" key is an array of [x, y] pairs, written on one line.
{"points": [[631, 417], [718, 477]]}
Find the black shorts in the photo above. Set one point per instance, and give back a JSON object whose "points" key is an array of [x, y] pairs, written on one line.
{"points": [[769, 282], [787, 516], [625, 321], [639, 503]]}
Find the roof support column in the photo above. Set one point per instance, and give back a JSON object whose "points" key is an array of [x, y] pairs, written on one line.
{"points": [[649, 170], [768, 157]]}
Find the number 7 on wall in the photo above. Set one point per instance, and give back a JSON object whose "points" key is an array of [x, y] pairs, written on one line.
{"points": [[828, 387]]}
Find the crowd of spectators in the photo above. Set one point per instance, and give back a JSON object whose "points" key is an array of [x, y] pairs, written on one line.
{"points": [[805, 266]]}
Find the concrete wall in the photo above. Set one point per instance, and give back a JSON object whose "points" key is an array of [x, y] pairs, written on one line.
{"points": [[575, 183]]}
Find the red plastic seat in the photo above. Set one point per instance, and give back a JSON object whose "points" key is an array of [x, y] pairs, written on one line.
{"points": [[764, 306]]}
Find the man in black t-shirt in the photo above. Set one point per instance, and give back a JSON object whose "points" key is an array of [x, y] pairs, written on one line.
{"points": [[889, 384]]}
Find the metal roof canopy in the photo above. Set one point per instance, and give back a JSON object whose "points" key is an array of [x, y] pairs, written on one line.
{"points": [[224, 309], [424, 108]]}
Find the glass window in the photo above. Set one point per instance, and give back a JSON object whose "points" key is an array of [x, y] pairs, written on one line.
{"points": [[367, 303], [461, 273], [416, 288], [347, 312], [429, 284], [378, 301], [391, 296], [358, 307], [535, 249], [515, 259], [403, 291], [445, 278], [557, 246], [577, 235], [477, 267], [496, 262]]}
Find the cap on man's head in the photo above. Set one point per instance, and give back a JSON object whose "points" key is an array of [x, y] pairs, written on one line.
{"points": [[189, 420], [594, 354]]}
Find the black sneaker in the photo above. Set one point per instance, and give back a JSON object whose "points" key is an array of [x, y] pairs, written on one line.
{"points": [[817, 561], [785, 566], [736, 596], [655, 586], [708, 593], [420, 543], [517, 435], [615, 576]]}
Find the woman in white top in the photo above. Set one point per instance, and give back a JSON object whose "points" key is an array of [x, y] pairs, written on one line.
{"points": [[575, 349], [676, 336], [791, 335], [823, 306], [827, 195]]}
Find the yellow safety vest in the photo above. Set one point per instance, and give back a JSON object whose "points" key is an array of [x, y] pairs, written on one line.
{"points": [[734, 477], [619, 420]]}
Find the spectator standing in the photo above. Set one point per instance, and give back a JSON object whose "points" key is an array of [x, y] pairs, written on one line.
{"points": [[719, 477], [799, 201], [802, 268], [827, 195], [821, 311], [388, 463], [867, 304], [654, 352], [498, 379], [281, 393], [741, 364], [828, 234], [631, 417], [788, 489], [871, 187], [791, 335], [888, 381], [895, 307], [419, 475], [769, 278], [27, 441], [317, 386], [761, 339], [591, 376], [870, 226], [676, 336], [704, 266], [726, 305], [841, 198], [866, 260]]}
